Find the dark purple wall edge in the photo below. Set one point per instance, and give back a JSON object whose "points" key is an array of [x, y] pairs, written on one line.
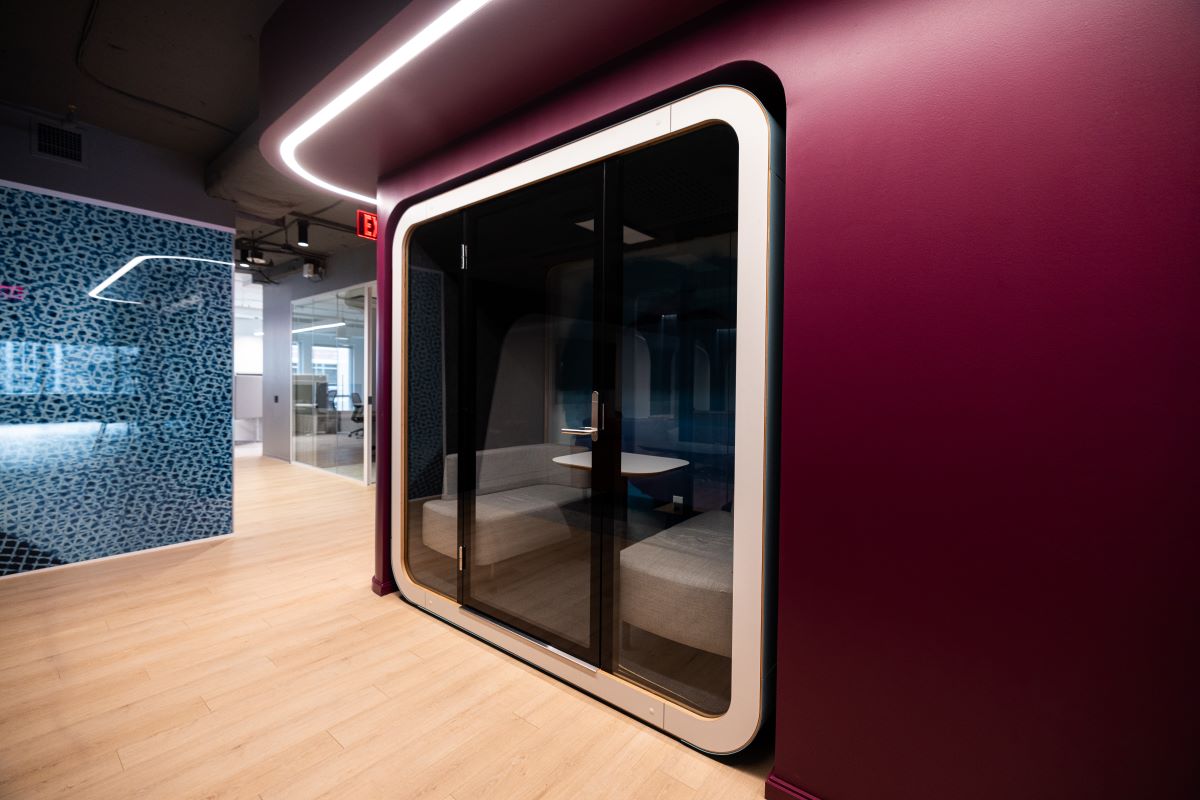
{"points": [[988, 545]]}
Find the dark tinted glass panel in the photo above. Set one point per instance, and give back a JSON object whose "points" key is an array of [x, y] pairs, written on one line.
{"points": [[514, 340], [678, 335], [530, 550]]}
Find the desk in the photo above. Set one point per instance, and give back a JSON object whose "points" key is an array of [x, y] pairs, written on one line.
{"points": [[633, 465]]}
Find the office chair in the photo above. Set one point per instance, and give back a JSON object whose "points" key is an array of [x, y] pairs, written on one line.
{"points": [[357, 414]]}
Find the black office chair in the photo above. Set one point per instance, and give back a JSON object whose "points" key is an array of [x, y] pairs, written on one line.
{"points": [[357, 414]]}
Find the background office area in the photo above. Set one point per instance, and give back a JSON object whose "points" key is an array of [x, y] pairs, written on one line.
{"points": [[318, 365]]}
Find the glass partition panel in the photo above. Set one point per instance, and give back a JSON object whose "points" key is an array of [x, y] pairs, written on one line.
{"points": [[679, 325], [432, 404], [372, 360], [329, 386], [307, 388]]}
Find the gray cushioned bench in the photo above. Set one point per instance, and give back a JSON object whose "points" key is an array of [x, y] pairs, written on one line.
{"points": [[518, 506], [678, 583]]}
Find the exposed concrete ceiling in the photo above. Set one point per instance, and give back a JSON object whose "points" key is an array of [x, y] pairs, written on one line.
{"points": [[185, 76], [182, 76], [198, 58]]}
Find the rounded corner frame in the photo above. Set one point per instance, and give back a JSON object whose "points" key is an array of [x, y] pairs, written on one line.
{"points": [[760, 168]]}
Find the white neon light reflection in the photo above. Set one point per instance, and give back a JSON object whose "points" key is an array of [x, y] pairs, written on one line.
{"points": [[319, 327], [450, 19], [130, 265]]}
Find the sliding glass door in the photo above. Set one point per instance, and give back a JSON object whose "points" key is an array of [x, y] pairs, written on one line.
{"points": [[570, 412], [531, 556]]}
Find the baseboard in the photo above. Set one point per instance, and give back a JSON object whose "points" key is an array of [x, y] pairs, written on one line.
{"points": [[130, 554], [382, 587], [779, 789]]}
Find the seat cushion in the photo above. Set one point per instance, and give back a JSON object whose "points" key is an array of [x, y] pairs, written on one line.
{"points": [[678, 583], [507, 523], [513, 467]]}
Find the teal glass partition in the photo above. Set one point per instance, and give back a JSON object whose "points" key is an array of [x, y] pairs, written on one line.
{"points": [[116, 381]]}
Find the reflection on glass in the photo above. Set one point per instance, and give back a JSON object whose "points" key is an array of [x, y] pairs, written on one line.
{"points": [[679, 324], [34, 368], [329, 387], [431, 547]]}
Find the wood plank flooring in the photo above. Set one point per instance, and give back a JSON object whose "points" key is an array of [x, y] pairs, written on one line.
{"points": [[261, 665]]}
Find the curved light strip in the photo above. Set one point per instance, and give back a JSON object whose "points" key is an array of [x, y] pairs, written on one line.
{"points": [[133, 262], [450, 19]]}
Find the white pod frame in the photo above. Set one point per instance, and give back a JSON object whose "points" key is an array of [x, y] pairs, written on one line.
{"points": [[759, 195]]}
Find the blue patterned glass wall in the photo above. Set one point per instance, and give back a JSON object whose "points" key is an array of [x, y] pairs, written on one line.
{"points": [[426, 426], [115, 412]]}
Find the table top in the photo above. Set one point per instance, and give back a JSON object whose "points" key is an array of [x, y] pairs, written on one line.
{"points": [[632, 464]]}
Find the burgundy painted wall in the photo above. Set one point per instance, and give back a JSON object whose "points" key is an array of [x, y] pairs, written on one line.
{"points": [[991, 446]]}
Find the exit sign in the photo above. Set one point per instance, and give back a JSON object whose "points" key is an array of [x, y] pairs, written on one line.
{"points": [[368, 225]]}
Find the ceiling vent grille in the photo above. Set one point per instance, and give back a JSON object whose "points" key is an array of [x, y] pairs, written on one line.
{"points": [[58, 142]]}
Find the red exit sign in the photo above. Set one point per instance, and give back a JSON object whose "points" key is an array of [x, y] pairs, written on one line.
{"points": [[368, 225], [11, 292]]}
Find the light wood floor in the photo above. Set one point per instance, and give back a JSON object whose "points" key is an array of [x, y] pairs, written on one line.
{"points": [[261, 665]]}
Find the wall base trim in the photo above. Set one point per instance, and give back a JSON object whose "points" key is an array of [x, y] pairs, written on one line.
{"points": [[214, 539], [779, 789], [382, 588]]}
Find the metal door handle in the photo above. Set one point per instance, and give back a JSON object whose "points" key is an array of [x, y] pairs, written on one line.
{"points": [[581, 432], [594, 429]]}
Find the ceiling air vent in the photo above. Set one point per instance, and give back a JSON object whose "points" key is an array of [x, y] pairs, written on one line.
{"points": [[59, 143]]}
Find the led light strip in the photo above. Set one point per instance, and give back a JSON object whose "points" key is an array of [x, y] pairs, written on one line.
{"points": [[318, 327], [419, 43], [133, 262]]}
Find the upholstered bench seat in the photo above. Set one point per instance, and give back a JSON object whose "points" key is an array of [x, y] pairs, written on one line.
{"points": [[520, 505], [678, 583], [508, 523]]}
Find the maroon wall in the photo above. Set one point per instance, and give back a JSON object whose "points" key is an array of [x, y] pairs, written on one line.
{"points": [[988, 557]]}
